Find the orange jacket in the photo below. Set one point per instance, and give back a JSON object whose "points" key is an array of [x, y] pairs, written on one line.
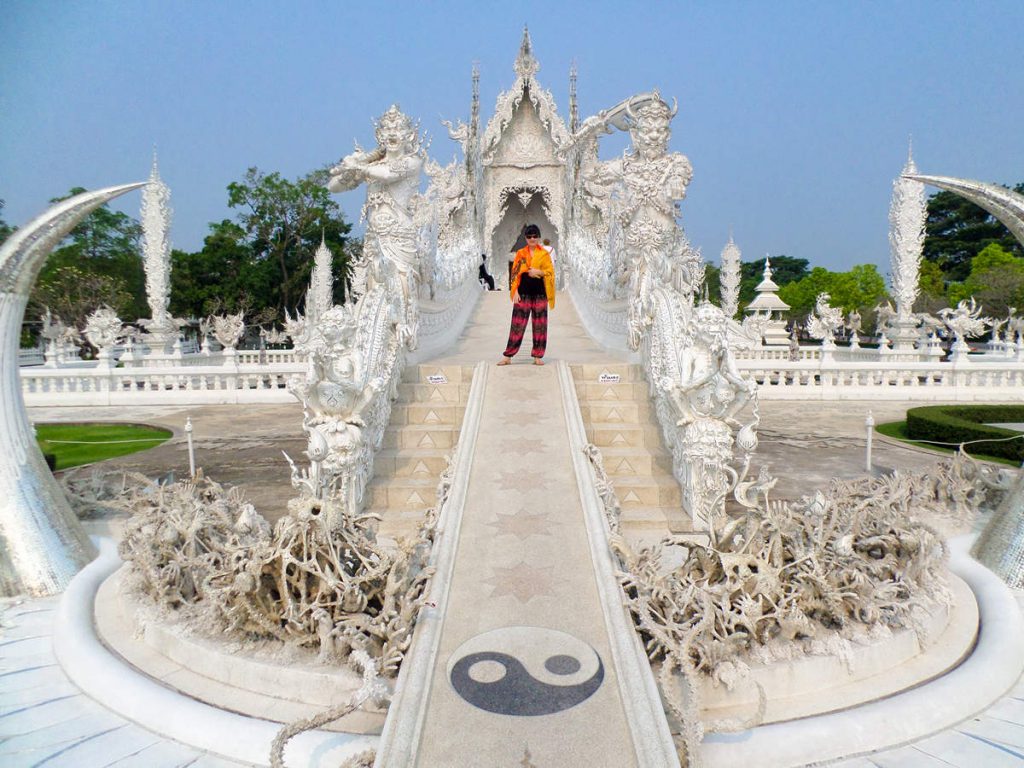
{"points": [[541, 260]]}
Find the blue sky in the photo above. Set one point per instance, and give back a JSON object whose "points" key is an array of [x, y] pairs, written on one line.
{"points": [[795, 115]]}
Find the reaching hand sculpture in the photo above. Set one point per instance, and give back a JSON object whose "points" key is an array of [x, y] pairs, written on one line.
{"points": [[391, 173]]}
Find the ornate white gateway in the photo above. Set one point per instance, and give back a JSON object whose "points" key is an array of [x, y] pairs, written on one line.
{"points": [[523, 173]]}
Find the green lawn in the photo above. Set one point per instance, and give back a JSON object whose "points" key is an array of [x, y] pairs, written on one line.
{"points": [[898, 429], [95, 442]]}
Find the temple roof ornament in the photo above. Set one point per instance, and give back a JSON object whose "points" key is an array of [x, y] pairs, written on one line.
{"points": [[1005, 204], [526, 67], [766, 298]]}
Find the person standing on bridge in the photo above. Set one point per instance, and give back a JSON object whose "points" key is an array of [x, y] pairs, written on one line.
{"points": [[532, 287]]}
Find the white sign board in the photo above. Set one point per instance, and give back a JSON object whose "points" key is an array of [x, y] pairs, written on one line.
{"points": [[608, 378], [437, 378]]}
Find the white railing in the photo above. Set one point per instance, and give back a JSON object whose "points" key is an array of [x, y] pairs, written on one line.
{"points": [[32, 356], [209, 384], [844, 380]]}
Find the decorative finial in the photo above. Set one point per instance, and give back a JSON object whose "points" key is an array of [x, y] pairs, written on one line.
{"points": [[526, 66], [910, 167], [154, 171], [767, 267]]}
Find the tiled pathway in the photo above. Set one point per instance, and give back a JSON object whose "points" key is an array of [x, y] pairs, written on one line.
{"points": [[46, 721]]}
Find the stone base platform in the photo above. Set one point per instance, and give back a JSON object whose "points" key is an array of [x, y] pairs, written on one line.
{"points": [[224, 676], [810, 684]]}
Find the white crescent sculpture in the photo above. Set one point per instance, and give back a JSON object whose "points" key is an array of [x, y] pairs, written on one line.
{"points": [[1005, 204], [42, 544]]}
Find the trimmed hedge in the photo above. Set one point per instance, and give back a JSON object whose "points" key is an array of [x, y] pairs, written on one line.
{"points": [[965, 423]]}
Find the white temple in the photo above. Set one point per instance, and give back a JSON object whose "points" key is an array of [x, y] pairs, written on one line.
{"points": [[577, 563]]}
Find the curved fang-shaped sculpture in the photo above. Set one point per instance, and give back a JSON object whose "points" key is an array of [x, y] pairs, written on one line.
{"points": [[42, 544], [1005, 204]]}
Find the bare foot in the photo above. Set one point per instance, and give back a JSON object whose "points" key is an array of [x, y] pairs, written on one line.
{"points": [[538, 361], [505, 361]]}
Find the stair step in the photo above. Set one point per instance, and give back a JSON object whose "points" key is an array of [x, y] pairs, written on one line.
{"points": [[624, 435], [411, 462], [647, 491], [427, 413], [420, 436], [587, 372], [402, 493], [453, 394], [636, 462], [427, 374], [616, 411], [628, 390]]}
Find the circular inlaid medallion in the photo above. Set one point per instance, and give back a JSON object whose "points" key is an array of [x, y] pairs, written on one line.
{"points": [[525, 671]]}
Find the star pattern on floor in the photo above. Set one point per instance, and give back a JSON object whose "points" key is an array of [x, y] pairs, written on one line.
{"points": [[509, 480], [523, 418], [522, 524], [524, 446], [521, 581]]}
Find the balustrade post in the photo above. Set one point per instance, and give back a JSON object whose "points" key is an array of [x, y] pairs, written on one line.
{"points": [[869, 424]]}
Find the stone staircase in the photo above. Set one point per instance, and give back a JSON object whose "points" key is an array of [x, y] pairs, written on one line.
{"points": [[422, 434], [620, 420]]}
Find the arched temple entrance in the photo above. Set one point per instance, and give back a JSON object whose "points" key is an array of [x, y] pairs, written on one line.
{"points": [[513, 216]]}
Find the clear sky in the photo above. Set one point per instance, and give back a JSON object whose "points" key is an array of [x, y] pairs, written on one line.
{"points": [[795, 115]]}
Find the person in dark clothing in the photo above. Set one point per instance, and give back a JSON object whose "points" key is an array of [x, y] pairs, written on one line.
{"points": [[485, 276]]}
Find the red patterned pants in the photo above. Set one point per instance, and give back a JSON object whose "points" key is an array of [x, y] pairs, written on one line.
{"points": [[538, 307]]}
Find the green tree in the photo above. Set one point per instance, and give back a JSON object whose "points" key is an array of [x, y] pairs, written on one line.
{"points": [[957, 230], [98, 263], [996, 281], [282, 223], [6, 230], [932, 284], [861, 289]]}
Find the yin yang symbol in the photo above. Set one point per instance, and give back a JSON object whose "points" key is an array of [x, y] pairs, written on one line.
{"points": [[525, 671]]}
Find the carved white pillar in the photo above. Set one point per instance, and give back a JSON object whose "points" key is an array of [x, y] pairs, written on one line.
{"points": [[321, 284], [907, 214], [156, 255], [729, 278], [42, 544]]}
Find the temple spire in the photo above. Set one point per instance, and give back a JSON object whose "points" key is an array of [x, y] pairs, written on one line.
{"points": [[526, 65], [574, 112]]}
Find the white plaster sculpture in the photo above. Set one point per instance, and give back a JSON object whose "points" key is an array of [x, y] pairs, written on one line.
{"points": [[907, 214], [729, 278], [391, 173], [1005, 204], [320, 297], [206, 554], [156, 259], [964, 322], [228, 330], [705, 395], [686, 348], [352, 354], [853, 324], [41, 543], [652, 181], [103, 329], [824, 321]]}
